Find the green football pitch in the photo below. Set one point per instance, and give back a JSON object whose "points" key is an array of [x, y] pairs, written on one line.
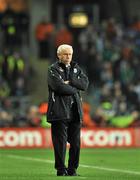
{"points": [[95, 164]]}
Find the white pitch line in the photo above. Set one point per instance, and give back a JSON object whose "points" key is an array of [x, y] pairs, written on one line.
{"points": [[111, 169], [81, 165], [38, 160]]}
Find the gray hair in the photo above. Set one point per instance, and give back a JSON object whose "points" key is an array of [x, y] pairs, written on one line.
{"points": [[63, 47]]}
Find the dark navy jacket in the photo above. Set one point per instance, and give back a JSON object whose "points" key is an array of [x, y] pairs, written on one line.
{"points": [[61, 93]]}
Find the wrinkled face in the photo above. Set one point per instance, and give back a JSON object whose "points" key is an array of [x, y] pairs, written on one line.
{"points": [[66, 56]]}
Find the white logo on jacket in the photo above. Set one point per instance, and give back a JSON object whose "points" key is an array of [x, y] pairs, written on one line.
{"points": [[61, 69], [75, 70]]}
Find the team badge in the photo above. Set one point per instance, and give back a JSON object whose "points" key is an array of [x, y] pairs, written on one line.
{"points": [[75, 70]]}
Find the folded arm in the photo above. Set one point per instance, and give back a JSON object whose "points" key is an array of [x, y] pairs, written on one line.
{"points": [[79, 80], [58, 85]]}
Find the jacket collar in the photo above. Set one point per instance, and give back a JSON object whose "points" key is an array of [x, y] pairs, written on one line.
{"points": [[72, 64]]}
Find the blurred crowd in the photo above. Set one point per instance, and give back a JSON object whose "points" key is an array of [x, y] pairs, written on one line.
{"points": [[108, 52], [14, 36]]}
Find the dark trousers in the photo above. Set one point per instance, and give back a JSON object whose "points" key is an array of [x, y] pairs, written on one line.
{"points": [[63, 132]]}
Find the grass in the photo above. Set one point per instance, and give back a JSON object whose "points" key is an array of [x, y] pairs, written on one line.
{"points": [[95, 164]]}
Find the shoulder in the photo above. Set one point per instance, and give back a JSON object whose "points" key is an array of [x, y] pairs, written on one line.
{"points": [[53, 66], [76, 65]]}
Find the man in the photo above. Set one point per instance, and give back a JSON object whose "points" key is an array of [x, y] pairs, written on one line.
{"points": [[65, 80]]}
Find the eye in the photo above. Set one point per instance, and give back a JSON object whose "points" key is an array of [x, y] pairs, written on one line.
{"points": [[67, 54]]}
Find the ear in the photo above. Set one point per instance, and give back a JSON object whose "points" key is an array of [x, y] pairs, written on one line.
{"points": [[59, 56]]}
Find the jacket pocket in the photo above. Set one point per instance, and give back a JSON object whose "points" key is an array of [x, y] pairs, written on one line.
{"points": [[57, 109]]}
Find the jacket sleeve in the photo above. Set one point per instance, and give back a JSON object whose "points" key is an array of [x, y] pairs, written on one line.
{"points": [[57, 84], [79, 80]]}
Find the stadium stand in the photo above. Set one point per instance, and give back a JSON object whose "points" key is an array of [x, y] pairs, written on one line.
{"points": [[109, 53]]}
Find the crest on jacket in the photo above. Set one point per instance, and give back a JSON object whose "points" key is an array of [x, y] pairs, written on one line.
{"points": [[75, 70]]}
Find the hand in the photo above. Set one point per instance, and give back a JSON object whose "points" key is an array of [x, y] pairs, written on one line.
{"points": [[66, 82]]}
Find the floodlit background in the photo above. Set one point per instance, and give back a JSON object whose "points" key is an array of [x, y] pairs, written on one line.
{"points": [[105, 35], [106, 41]]}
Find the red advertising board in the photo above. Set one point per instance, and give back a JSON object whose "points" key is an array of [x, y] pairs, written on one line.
{"points": [[90, 138], [107, 138], [25, 138]]}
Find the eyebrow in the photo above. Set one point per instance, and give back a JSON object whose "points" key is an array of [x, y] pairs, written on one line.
{"points": [[66, 53]]}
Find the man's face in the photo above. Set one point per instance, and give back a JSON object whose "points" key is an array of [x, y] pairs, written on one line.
{"points": [[65, 56]]}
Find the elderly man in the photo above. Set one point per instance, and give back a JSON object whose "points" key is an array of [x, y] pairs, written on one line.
{"points": [[65, 81]]}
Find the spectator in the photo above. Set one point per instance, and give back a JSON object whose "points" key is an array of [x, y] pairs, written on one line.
{"points": [[33, 116], [63, 36], [87, 121], [44, 36]]}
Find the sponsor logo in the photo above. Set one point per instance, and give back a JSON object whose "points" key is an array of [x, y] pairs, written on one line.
{"points": [[37, 137], [25, 138], [103, 138]]}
